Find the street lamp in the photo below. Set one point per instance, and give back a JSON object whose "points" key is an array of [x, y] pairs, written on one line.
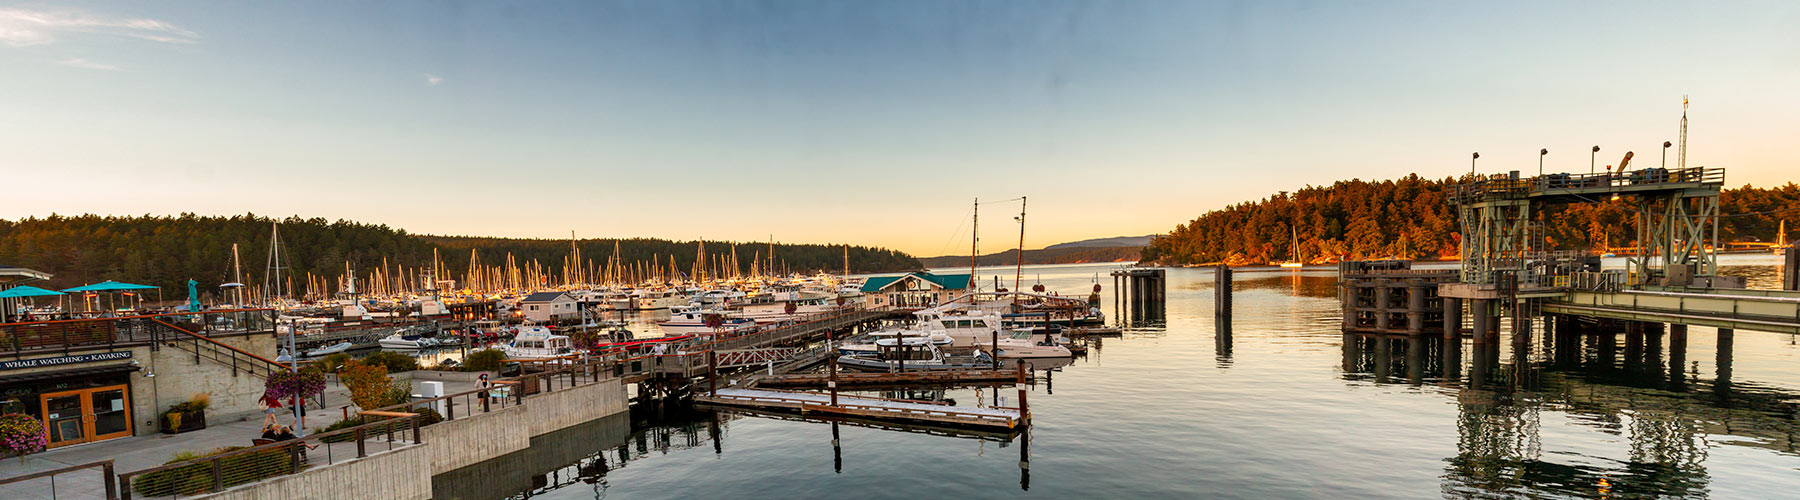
{"points": [[1591, 159], [1541, 153], [1472, 158], [1665, 163]]}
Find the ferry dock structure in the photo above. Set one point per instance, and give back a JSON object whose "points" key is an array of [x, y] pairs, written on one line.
{"points": [[1507, 271]]}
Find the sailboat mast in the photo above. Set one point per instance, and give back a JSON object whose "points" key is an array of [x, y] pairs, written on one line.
{"points": [[1019, 270], [974, 243]]}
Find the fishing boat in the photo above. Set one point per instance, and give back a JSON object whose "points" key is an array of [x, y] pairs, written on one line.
{"points": [[330, 349]]}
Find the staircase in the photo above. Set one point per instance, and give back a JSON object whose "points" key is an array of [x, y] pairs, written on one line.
{"points": [[205, 348]]}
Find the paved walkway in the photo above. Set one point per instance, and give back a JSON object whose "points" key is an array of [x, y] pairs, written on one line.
{"points": [[143, 452]]}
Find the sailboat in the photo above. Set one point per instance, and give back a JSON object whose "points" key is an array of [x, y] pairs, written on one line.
{"points": [[1781, 242], [1294, 252]]}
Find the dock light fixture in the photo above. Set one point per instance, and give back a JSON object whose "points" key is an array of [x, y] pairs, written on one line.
{"points": [[1591, 159], [1472, 158], [1541, 153], [1665, 163]]}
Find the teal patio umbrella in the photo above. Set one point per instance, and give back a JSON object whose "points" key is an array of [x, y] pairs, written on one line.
{"points": [[24, 292], [107, 286], [28, 291]]}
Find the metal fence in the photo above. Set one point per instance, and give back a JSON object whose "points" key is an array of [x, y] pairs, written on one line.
{"points": [[96, 483], [233, 466]]}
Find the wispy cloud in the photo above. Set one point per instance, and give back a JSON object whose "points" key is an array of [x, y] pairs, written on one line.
{"points": [[24, 27], [433, 80], [86, 64]]}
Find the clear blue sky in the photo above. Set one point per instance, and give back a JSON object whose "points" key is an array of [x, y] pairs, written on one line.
{"points": [[862, 122]]}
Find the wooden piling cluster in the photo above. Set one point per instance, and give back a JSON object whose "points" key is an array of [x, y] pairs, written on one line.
{"points": [[1138, 293], [1390, 297]]}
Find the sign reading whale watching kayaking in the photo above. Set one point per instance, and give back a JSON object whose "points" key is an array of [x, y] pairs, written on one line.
{"points": [[64, 360]]}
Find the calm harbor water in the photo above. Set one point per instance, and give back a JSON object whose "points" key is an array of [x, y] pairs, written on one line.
{"points": [[1286, 406]]}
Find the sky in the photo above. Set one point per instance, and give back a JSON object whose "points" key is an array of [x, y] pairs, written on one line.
{"points": [[872, 123]]}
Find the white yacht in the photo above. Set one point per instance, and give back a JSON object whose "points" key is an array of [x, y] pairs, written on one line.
{"points": [[537, 342], [1025, 344], [691, 320]]}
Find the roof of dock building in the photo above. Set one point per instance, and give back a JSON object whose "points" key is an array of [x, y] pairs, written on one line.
{"points": [[948, 281], [544, 297]]}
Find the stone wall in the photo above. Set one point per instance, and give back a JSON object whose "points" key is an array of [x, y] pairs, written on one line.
{"points": [[466, 441], [402, 474]]}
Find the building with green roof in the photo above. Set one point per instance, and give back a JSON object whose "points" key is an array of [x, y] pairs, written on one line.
{"points": [[918, 289]]}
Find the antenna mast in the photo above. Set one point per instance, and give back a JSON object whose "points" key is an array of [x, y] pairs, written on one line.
{"points": [[1681, 156]]}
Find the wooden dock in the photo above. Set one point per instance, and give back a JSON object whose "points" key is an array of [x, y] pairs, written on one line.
{"points": [[866, 407], [920, 377]]}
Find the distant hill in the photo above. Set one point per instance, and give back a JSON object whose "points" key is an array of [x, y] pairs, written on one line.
{"points": [[1052, 255], [1116, 241]]}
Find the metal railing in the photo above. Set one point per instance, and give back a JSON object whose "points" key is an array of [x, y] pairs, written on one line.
{"points": [[233, 466], [206, 348], [1503, 186], [41, 482], [65, 334]]}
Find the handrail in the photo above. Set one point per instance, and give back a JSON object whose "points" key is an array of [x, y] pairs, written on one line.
{"points": [[106, 465], [215, 342]]}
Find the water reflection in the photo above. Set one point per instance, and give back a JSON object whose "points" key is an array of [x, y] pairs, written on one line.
{"points": [[1608, 377]]}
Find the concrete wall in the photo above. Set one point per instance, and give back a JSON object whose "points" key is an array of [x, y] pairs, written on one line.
{"points": [[402, 474], [178, 377], [466, 441], [552, 411], [514, 473]]}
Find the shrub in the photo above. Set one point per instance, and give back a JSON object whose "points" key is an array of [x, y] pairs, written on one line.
{"points": [[20, 434], [393, 361], [333, 363], [195, 479], [485, 360], [368, 384]]}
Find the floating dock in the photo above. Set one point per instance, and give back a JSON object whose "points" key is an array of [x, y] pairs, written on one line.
{"points": [[866, 407], [919, 377]]}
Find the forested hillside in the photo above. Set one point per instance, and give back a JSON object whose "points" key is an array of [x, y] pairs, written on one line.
{"points": [[167, 251], [1408, 218], [1050, 255]]}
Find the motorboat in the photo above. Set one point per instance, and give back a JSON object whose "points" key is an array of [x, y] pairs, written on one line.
{"points": [[538, 342], [1023, 344], [691, 320], [398, 341], [914, 355], [875, 341], [330, 349]]}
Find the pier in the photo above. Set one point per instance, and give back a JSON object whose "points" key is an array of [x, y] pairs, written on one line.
{"points": [[1506, 268], [865, 407]]}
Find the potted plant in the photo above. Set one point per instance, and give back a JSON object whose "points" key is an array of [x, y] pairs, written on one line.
{"points": [[187, 415], [20, 435]]}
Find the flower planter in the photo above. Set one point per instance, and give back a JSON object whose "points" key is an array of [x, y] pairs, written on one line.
{"points": [[188, 421]]}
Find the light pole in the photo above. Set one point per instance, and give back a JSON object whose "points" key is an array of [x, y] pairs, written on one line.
{"points": [[1541, 153], [1665, 164], [1591, 159], [1472, 158]]}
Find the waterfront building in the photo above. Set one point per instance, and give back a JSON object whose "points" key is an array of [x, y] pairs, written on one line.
{"points": [[548, 307], [918, 289]]}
